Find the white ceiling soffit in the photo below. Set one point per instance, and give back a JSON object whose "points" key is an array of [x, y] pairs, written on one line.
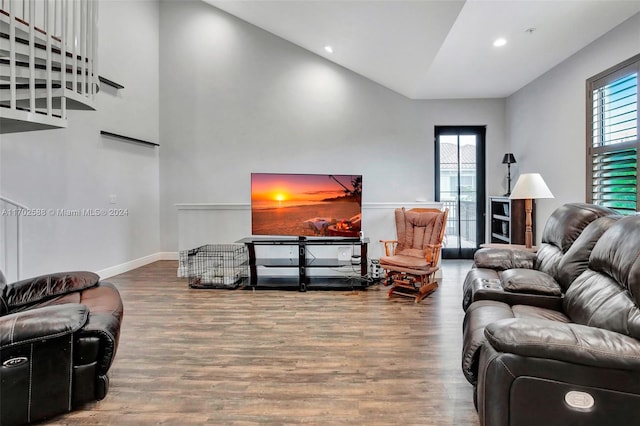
{"points": [[427, 49]]}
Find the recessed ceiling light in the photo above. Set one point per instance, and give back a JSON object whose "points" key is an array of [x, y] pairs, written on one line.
{"points": [[328, 48], [500, 42]]}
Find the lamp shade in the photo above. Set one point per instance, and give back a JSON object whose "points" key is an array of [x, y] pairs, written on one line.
{"points": [[508, 158], [530, 185]]}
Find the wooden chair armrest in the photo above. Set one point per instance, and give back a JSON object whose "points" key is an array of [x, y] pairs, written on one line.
{"points": [[389, 246], [432, 254]]}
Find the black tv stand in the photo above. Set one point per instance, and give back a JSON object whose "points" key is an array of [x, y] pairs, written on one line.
{"points": [[303, 262]]}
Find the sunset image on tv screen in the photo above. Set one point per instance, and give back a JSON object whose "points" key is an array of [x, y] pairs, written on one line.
{"points": [[306, 204]]}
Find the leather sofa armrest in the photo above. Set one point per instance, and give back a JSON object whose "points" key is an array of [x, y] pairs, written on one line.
{"points": [[500, 259], [41, 324], [569, 342], [37, 289], [105, 318], [521, 280]]}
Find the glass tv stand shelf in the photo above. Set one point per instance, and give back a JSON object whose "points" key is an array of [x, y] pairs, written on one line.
{"points": [[303, 261]]}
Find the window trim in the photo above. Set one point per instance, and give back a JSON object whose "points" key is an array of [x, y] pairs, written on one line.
{"points": [[609, 75]]}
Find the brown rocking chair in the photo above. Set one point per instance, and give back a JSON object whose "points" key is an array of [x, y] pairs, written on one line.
{"points": [[411, 261]]}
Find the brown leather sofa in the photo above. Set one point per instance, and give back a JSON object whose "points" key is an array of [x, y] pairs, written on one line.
{"points": [[579, 364], [58, 337], [532, 278]]}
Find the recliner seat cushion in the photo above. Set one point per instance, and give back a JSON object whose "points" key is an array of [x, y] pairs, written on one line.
{"points": [[484, 312]]}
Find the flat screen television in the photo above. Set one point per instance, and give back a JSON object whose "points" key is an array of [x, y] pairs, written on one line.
{"points": [[319, 205]]}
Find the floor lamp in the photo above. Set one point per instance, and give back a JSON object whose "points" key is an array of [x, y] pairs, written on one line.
{"points": [[528, 187]]}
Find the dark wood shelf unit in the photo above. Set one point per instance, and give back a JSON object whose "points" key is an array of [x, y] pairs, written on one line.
{"points": [[128, 138], [507, 220], [302, 262]]}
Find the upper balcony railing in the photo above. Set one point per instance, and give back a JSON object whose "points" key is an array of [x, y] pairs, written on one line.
{"points": [[462, 223], [48, 51]]}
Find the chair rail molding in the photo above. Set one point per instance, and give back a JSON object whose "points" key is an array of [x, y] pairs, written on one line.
{"points": [[225, 223], [5, 233]]}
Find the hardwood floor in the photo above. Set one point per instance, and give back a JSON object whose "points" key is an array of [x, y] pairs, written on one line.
{"points": [[227, 357]]}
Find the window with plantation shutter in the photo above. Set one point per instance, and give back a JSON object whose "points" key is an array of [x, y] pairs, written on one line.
{"points": [[612, 137]]}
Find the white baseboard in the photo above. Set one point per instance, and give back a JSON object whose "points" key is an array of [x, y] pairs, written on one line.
{"points": [[136, 263], [168, 255]]}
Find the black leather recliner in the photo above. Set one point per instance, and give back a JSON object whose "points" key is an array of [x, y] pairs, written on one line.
{"points": [[573, 263], [58, 337], [531, 278], [579, 364]]}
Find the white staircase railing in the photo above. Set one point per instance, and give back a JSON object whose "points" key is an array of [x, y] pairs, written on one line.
{"points": [[11, 238], [48, 61]]}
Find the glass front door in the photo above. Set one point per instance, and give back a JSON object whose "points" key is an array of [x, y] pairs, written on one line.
{"points": [[459, 170]]}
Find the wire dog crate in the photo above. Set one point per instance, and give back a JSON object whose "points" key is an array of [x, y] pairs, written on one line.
{"points": [[217, 266]]}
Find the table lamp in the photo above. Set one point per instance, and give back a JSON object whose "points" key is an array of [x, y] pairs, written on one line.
{"points": [[528, 187], [508, 159]]}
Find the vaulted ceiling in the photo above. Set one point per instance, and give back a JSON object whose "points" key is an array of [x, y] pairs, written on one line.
{"points": [[428, 49]]}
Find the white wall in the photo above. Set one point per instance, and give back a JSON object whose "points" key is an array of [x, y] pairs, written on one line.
{"points": [[546, 120], [76, 168], [224, 99], [235, 99]]}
